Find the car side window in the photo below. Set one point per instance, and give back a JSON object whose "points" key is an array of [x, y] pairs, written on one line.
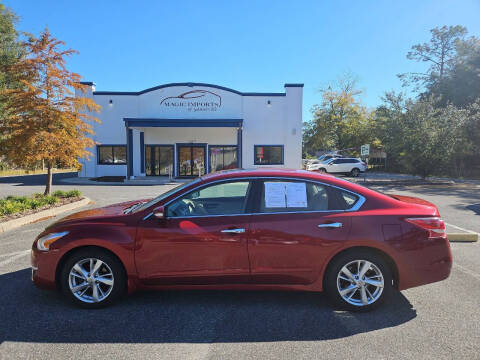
{"points": [[286, 196], [219, 199], [342, 199], [279, 196]]}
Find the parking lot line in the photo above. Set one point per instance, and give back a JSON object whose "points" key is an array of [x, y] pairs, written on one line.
{"points": [[12, 253], [462, 229], [14, 257], [466, 271]]}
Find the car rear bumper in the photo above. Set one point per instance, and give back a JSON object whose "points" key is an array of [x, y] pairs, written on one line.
{"points": [[430, 265]]}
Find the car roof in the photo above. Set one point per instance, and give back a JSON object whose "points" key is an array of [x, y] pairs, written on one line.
{"points": [[294, 173], [277, 172]]}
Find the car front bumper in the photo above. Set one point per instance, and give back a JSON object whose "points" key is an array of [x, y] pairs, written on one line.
{"points": [[44, 264]]}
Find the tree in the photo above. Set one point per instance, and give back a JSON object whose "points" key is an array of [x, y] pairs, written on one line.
{"points": [[439, 53], [423, 138], [44, 120], [340, 121], [461, 86], [11, 48]]}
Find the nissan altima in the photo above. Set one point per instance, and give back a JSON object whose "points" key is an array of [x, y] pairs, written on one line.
{"points": [[269, 229]]}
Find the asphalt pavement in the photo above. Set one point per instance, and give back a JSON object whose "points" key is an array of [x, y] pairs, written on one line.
{"points": [[436, 321]]}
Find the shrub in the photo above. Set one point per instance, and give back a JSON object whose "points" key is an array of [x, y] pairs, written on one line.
{"points": [[73, 193], [36, 203], [59, 193], [15, 204], [51, 199], [67, 194]]}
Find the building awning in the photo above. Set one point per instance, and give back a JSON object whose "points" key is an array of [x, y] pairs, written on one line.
{"points": [[152, 122]]}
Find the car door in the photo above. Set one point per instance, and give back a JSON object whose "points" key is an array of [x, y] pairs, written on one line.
{"points": [[292, 237], [335, 166], [202, 239], [349, 165]]}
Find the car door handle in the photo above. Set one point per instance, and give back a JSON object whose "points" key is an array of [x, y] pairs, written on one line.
{"points": [[331, 225], [233, 231]]}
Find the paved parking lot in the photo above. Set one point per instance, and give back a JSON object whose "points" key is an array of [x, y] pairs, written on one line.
{"points": [[435, 321]]}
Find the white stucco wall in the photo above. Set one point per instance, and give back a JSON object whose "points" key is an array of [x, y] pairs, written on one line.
{"points": [[277, 123]]}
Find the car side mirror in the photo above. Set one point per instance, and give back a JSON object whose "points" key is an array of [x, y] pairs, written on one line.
{"points": [[159, 212]]}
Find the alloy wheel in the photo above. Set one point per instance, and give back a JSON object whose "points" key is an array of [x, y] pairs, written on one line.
{"points": [[360, 283], [91, 280]]}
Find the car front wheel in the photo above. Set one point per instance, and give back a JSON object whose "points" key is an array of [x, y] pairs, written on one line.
{"points": [[92, 278], [358, 281]]}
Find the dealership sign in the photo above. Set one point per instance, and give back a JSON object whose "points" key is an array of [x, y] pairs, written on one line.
{"points": [[194, 101]]}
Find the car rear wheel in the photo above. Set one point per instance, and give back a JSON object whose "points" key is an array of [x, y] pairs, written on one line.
{"points": [[358, 281], [322, 171], [93, 278], [355, 172]]}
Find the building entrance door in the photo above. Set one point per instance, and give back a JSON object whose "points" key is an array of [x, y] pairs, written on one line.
{"points": [[158, 160], [191, 160]]}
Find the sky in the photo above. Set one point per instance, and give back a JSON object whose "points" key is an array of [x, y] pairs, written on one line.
{"points": [[251, 46]]}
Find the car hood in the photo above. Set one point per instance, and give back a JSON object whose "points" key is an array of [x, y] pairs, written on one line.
{"points": [[98, 213]]}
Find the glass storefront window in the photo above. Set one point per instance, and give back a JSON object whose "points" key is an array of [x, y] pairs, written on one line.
{"points": [[158, 160], [268, 154], [191, 160], [223, 158], [112, 154]]}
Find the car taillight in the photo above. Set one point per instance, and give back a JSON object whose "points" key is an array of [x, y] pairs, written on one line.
{"points": [[364, 163], [434, 225]]}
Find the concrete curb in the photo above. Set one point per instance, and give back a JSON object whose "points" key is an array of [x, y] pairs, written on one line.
{"points": [[42, 215], [462, 237], [86, 181]]}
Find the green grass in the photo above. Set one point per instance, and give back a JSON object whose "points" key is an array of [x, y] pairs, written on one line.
{"points": [[17, 172], [17, 204]]}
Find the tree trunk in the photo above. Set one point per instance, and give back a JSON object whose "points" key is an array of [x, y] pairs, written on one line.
{"points": [[48, 187]]}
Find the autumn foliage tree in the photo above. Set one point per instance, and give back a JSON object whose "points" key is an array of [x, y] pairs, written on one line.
{"points": [[43, 119]]}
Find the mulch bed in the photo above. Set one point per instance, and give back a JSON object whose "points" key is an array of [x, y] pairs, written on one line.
{"points": [[61, 201]]}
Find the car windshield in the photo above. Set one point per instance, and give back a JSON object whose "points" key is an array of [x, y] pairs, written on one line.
{"points": [[143, 206]]}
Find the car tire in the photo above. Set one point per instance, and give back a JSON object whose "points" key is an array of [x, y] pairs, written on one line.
{"points": [[108, 277], [322, 171], [354, 292], [355, 172]]}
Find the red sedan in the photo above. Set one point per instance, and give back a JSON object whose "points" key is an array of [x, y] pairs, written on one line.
{"points": [[248, 229]]}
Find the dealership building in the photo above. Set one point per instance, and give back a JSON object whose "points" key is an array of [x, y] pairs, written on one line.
{"points": [[189, 129]]}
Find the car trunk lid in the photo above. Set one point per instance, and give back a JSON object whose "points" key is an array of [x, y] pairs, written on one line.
{"points": [[415, 201]]}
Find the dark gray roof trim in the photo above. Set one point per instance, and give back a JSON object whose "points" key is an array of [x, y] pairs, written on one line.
{"points": [[153, 122], [136, 93], [293, 85]]}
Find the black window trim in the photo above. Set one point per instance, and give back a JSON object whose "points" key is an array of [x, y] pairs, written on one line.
{"points": [[113, 157], [249, 208]]}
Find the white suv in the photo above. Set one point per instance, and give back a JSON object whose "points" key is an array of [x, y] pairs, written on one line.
{"points": [[348, 166]]}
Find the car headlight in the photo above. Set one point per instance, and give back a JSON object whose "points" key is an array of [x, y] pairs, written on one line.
{"points": [[43, 244]]}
